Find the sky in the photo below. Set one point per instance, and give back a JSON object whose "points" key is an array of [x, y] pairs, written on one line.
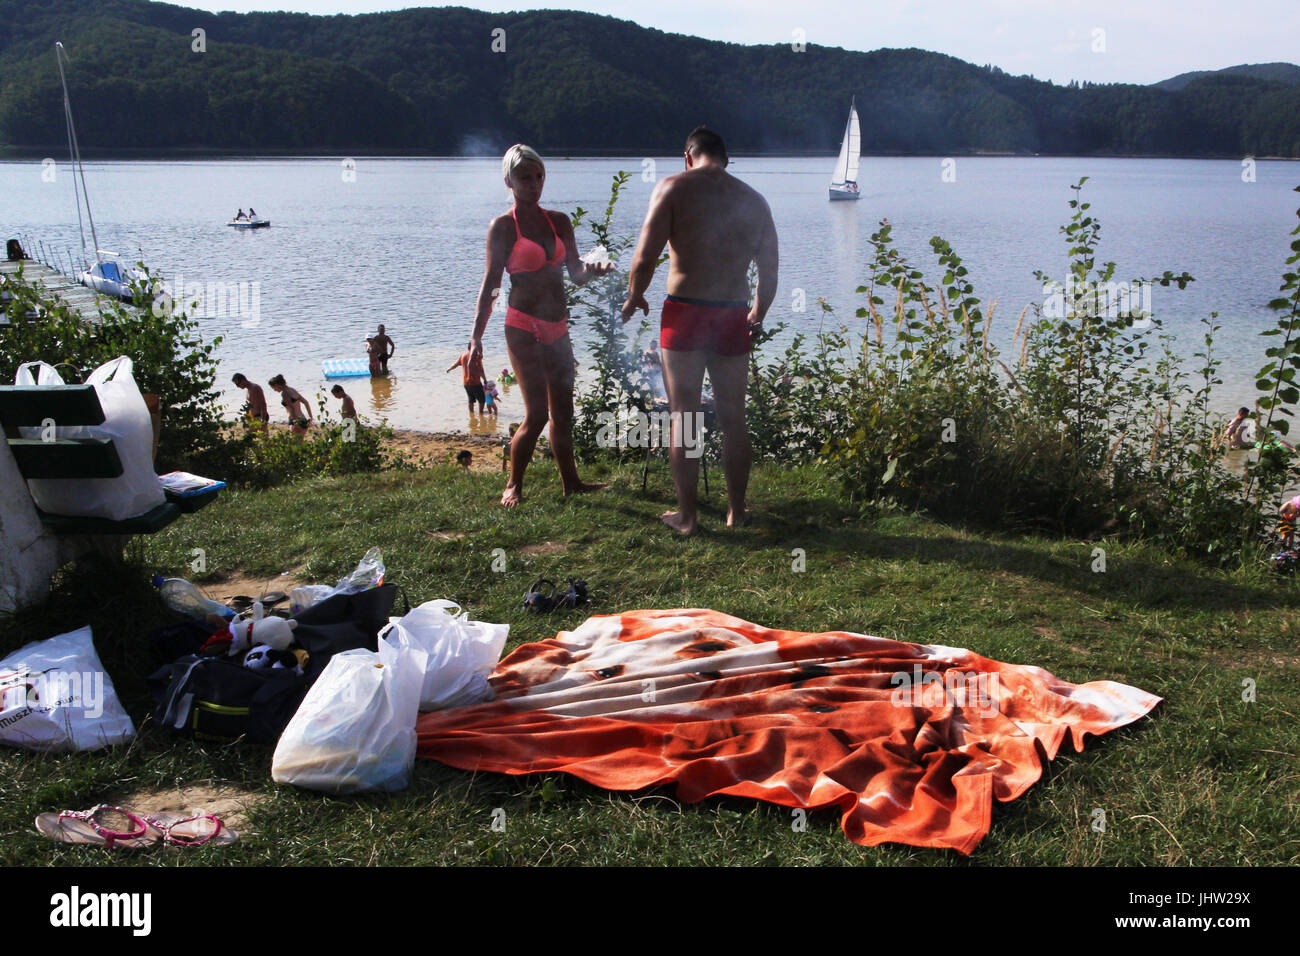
{"points": [[1102, 41]]}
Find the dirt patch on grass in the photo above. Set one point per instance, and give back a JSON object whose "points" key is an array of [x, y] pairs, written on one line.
{"points": [[225, 800], [222, 587], [438, 449], [545, 548]]}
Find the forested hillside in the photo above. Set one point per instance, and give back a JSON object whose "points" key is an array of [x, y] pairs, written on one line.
{"points": [[428, 80]]}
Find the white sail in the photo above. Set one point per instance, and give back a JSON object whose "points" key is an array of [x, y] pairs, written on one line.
{"points": [[846, 167]]}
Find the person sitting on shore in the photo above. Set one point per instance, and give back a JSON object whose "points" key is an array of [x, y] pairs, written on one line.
{"points": [[348, 408], [299, 411], [1235, 434], [464, 458], [256, 399]]}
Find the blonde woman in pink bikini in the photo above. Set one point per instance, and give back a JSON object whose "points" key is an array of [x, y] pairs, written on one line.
{"points": [[533, 245]]}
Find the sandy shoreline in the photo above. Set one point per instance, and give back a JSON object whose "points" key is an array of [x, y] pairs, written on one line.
{"points": [[441, 447]]}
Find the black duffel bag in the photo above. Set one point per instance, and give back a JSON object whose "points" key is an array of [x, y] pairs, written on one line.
{"points": [[217, 698]]}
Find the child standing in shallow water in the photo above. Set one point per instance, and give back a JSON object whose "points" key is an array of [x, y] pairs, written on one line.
{"points": [[491, 398]]}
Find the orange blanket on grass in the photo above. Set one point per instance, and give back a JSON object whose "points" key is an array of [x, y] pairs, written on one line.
{"points": [[912, 742]]}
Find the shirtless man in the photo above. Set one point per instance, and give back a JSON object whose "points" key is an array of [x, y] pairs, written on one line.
{"points": [[256, 399], [714, 226], [472, 377], [385, 347], [347, 407]]}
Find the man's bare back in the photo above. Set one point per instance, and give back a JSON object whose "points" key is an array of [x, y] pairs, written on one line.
{"points": [[714, 226], [717, 224]]}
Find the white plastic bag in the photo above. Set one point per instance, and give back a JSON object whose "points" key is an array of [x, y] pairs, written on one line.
{"points": [[55, 696], [355, 729], [369, 573], [127, 423], [461, 653]]}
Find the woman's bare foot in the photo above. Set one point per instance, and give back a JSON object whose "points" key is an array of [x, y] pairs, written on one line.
{"points": [[679, 524], [583, 487], [733, 522], [511, 496]]}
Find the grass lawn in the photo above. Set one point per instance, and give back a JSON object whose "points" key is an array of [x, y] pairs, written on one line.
{"points": [[1208, 779]]}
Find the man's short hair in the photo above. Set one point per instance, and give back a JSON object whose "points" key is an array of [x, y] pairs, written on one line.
{"points": [[238, 377], [705, 142], [1243, 411], [337, 390]]}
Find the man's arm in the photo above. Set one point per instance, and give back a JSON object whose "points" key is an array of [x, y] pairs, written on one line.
{"points": [[392, 349], [454, 365], [767, 259], [654, 236]]}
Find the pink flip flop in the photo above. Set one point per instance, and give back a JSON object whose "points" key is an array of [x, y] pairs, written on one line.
{"points": [[178, 829], [83, 827]]}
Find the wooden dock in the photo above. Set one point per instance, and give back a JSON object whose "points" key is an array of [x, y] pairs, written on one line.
{"points": [[83, 301]]}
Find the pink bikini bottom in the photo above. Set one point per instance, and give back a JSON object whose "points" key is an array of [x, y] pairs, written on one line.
{"points": [[545, 332]]}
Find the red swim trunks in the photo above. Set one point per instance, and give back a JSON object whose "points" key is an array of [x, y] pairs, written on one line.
{"points": [[692, 325]]}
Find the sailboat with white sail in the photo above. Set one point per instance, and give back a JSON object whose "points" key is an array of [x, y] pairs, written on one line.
{"points": [[844, 181], [107, 275]]}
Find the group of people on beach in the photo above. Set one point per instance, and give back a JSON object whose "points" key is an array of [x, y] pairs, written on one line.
{"points": [[296, 407], [379, 348], [715, 227]]}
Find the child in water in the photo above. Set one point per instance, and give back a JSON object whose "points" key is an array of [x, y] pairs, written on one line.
{"points": [[491, 398]]}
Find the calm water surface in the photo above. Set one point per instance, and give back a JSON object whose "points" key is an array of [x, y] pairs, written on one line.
{"points": [[403, 244]]}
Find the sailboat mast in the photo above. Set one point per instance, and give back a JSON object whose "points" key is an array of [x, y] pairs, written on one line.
{"points": [[75, 150]]}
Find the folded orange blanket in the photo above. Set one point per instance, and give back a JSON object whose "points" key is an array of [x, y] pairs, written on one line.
{"points": [[911, 741]]}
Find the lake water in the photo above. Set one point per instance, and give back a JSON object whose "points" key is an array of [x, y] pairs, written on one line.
{"points": [[402, 243]]}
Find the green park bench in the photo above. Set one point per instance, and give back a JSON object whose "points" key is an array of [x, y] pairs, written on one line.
{"points": [[75, 405]]}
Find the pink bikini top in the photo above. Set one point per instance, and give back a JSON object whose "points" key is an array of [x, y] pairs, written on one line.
{"points": [[529, 256]]}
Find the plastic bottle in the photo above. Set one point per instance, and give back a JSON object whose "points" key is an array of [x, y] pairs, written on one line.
{"points": [[179, 595]]}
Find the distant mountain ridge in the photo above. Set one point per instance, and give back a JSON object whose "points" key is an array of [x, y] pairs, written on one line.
{"points": [[428, 80], [1272, 72]]}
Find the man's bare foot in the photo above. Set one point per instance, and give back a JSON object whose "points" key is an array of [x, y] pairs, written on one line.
{"points": [[511, 496], [679, 524], [583, 487], [733, 522]]}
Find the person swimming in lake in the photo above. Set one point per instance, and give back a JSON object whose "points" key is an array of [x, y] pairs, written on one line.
{"points": [[297, 407], [535, 246]]}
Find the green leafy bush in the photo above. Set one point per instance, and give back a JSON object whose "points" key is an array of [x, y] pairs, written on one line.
{"points": [[169, 358]]}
